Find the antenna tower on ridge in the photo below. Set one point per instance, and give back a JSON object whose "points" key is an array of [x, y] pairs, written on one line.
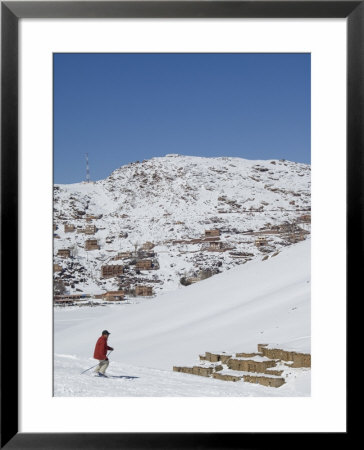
{"points": [[87, 170]]}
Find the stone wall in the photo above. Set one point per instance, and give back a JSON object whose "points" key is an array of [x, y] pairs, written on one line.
{"points": [[248, 365], [246, 355], [195, 370], [216, 357], [265, 381], [183, 369], [274, 372], [263, 372], [225, 377], [299, 359]]}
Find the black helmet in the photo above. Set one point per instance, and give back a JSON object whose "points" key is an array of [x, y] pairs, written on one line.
{"points": [[105, 332]]}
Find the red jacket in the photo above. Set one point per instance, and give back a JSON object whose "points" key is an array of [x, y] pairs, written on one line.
{"points": [[101, 348]]}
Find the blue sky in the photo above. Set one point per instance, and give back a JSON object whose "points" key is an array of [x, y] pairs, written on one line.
{"points": [[120, 108]]}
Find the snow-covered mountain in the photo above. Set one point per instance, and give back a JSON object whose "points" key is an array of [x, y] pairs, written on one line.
{"points": [[172, 202]]}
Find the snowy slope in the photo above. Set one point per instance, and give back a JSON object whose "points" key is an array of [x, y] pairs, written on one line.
{"points": [[259, 302], [171, 198], [133, 381]]}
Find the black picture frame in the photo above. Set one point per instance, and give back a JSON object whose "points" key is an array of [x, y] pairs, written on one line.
{"points": [[11, 12]]}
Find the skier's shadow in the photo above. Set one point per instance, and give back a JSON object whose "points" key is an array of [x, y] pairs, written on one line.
{"points": [[127, 377]]}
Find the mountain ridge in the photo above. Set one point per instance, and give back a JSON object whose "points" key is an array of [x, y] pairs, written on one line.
{"points": [[171, 201]]}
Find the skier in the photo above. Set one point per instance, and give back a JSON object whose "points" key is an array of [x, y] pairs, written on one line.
{"points": [[101, 349]]}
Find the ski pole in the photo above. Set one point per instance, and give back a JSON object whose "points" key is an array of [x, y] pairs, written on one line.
{"points": [[94, 365]]}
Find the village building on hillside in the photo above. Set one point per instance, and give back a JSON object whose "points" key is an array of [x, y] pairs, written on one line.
{"points": [[69, 298], [64, 253], [91, 244], [112, 270], [69, 228], [143, 254], [144, 264], [215, 246], [190, 280], [90, 229], [261, 242], [123, 255], [212, 233], [306, 218], [143, 291], [287, 227], [295, 237], [113, 296], [90, 217], [57, 268], [148, 245]]}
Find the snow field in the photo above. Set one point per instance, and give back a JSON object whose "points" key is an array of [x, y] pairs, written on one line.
{"points": [[259, 302]]}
